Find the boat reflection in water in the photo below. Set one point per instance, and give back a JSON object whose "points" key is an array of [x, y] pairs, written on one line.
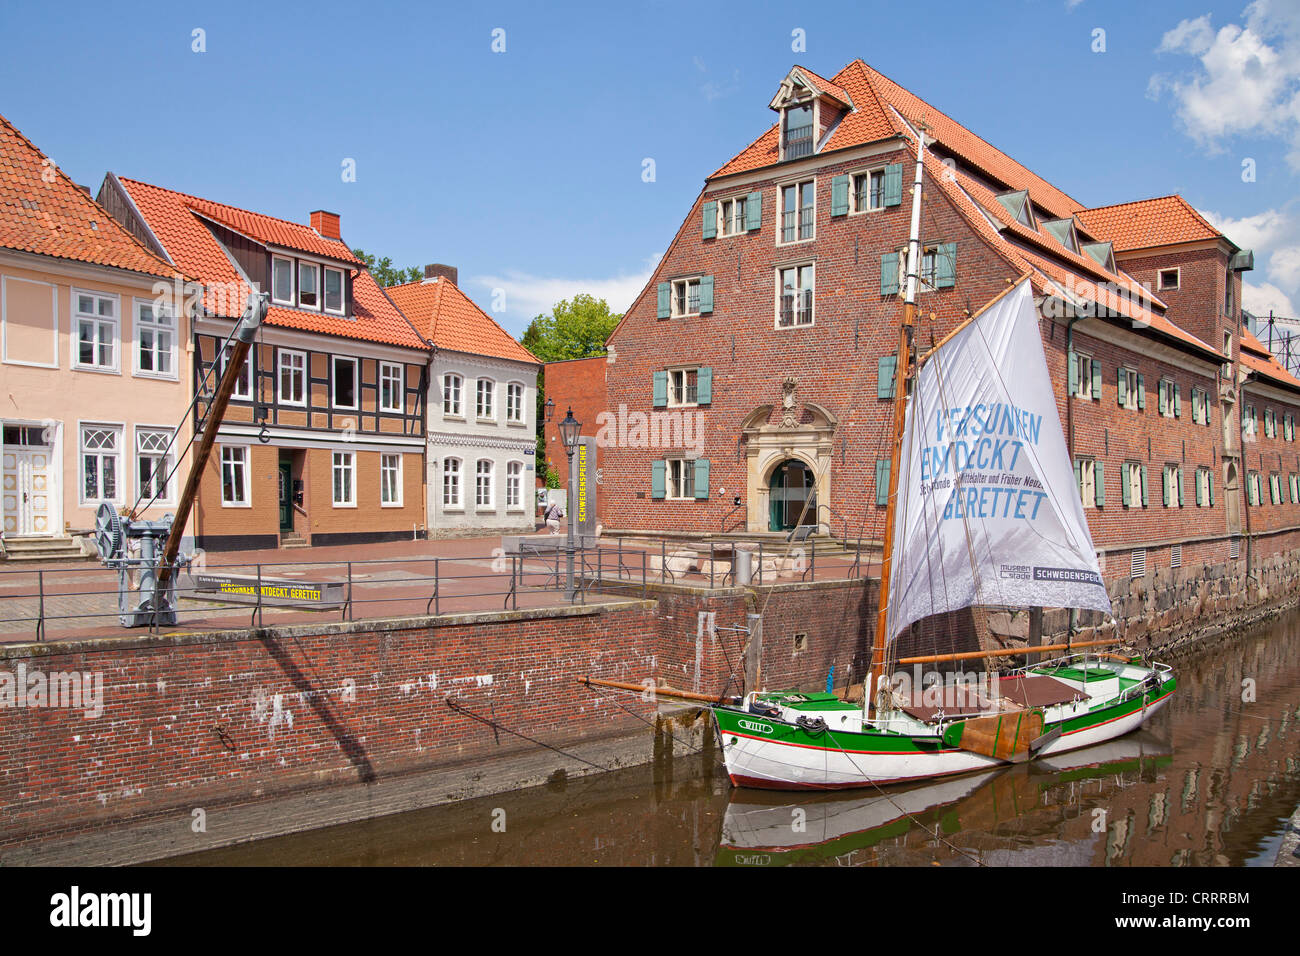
{"points": [[773, 828]]}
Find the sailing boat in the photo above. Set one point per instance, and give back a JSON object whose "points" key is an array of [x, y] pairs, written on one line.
{"points": [[983, 510]]}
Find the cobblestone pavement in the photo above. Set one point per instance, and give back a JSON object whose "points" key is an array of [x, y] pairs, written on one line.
{"points": [[391, 579]]}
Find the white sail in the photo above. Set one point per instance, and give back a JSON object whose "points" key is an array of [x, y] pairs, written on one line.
{"points": [[988, 509]]}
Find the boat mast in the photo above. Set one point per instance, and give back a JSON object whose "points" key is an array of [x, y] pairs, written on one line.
{"points": [[902, 377]]}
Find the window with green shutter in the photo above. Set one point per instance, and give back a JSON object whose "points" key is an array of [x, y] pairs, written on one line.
{"points": [[1099, 478], [893, 184], [1142, 472], [945, 265], [1125, 484], [1096, 380], [665, 300], [704, 385], [840, 195], [701, 478], [658, 483], [889, 273], [754, 211], [660, 389], [882, 481], [706, 294], [886, 366], [1142, 394], [1072, 363], [710, 219]]}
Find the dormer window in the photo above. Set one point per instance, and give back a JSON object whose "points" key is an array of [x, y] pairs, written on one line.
{"points": [[797, 133], [334, 291], [1063, 230], [308, 285], [282, 280], [1017, 203]]}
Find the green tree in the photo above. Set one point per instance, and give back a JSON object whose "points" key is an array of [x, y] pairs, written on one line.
{"points": [[384, 272], [575, 329]]}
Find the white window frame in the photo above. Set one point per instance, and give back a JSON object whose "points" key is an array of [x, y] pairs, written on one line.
{"points": [[1131, 388], [515, 392], [812, 304], [679, 374], [1169, 489], [453, 384], [167, 434], [514, 486], [1134, 484], [343, 462], [453, 468], [315, 267], [685, 310], [118, 431], [853, 193], [490, 415], [1248, 430], [1083, 382], [732, 224], [281, 366], [384, 470], [479, 485], [245, 463], [1203, 486], [293, 281], [1160, 279], [392, 373], [152, 324], [798, 185], [356, 382], [1088, 482], [1165, 396], [243, 386], [113, 324], [679, 473], [343, 291]]}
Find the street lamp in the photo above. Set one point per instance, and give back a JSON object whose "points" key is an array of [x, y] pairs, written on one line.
{"points": [[549, 409], [569, 429]]}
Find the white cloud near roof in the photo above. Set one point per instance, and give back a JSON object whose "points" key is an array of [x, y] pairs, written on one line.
{"points": [[528, 295], [1248, 79], [1274, 236], [1259, 299]]}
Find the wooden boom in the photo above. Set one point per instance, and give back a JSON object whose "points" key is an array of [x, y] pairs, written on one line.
{"points": [[249, 323], [1002, 652], [658, 691]]}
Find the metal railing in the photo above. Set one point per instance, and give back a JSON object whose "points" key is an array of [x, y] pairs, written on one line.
{"points": [[64, 603], [798, 141]]}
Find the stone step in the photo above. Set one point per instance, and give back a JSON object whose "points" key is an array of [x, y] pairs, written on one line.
{"points": [[44, 549]]}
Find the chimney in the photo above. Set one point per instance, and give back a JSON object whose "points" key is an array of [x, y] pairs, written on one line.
{"points": [[326, 223], [436, 270]]}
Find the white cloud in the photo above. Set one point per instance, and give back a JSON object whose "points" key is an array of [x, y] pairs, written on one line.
{"points": [[1261, 232], [528, 295], [1261, 298], [1274, 236], [1248, 80]]}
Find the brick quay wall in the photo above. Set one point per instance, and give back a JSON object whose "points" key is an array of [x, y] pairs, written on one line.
{"points": [[197, 721]]}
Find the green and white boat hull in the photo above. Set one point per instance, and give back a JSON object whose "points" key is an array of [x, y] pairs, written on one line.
{"points": [[791, 752]]}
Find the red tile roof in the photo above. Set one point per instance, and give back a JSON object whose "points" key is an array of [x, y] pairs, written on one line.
{"points": [[1148, 222], [1256, 357], [824, 85], [875, 99], [452, 321], [178, 222], [44, 212]]}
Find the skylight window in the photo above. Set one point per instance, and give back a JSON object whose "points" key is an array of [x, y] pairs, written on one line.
{"points": [[1063, 230], [1017, 203]]}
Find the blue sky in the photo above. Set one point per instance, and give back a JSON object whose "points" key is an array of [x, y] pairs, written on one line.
{"points": [[524, 168]]}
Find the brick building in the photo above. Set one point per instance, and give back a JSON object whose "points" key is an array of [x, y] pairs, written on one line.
{"points": [[323, 441], [753, 376], [577, 384]]}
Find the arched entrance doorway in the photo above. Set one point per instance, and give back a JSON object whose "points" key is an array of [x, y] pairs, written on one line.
{"points": [[792, 496]]}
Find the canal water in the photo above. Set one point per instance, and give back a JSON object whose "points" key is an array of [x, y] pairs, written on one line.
{"points": [[1210, 781]]}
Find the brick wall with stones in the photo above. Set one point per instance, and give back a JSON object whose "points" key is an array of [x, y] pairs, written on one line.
{"points": [[197, 720]]}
